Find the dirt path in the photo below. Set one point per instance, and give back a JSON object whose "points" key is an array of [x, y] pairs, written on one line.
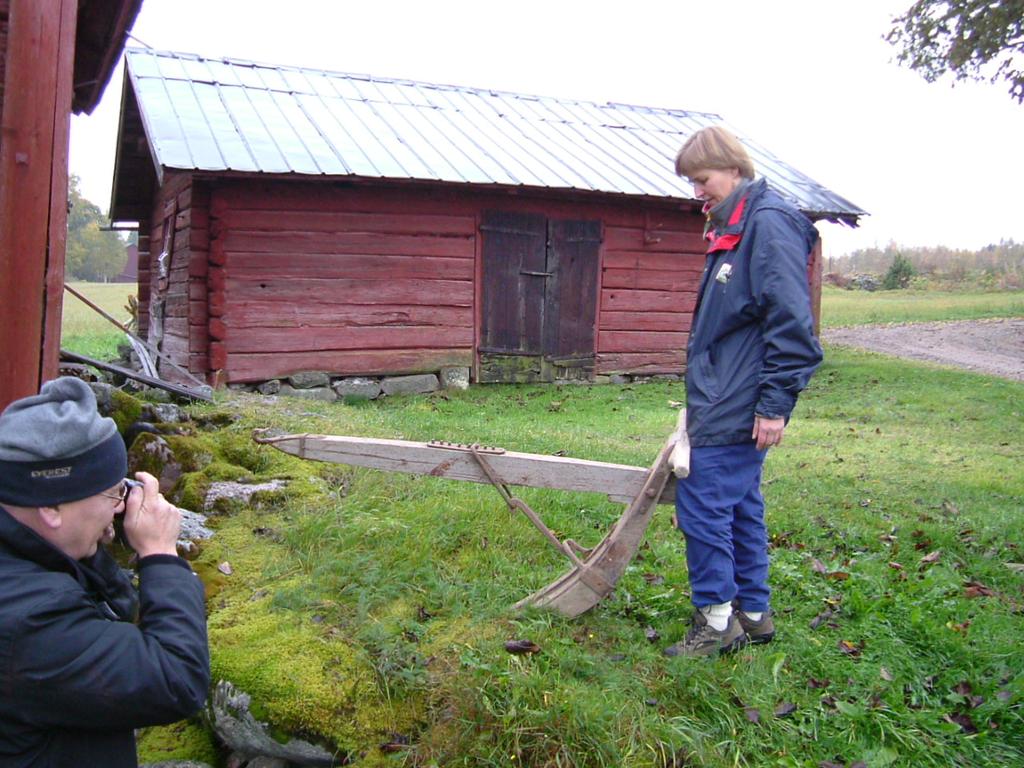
{"points": [[987, 346]]}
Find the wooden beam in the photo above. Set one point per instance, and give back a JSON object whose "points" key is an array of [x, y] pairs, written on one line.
{"points": [[814, 263], [33, 160], [620, 482], [135, 375], [53, 305]]}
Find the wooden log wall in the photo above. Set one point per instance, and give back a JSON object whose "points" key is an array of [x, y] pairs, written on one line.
{"points": [[5, 12], [180, 222], [306, 277], [651, 270], [272, 277]]}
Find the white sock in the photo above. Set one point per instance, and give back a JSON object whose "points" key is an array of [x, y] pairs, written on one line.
{"points": [[717, 615], [754, 615]]}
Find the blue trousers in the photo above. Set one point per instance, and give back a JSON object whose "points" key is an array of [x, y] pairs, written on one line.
{"points": [[720, 510]]}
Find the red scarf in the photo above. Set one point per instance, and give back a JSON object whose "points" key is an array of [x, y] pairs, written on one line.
{"points": [[718, 242]]}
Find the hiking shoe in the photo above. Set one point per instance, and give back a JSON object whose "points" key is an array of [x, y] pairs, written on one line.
{"points": [[705, 640], [757, 632]]}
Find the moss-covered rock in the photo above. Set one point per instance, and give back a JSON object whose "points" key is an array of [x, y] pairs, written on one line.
{"points": [[184, 740], [125, 409]]}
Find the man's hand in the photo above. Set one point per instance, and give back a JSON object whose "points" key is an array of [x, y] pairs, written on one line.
{"points": [[151, 523], [768, 432]]}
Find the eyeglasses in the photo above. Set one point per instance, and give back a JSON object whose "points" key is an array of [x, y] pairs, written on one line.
{"points": [[122, 494]]}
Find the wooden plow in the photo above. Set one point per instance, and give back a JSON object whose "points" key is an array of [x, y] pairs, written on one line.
{"points": [[594, 572]]}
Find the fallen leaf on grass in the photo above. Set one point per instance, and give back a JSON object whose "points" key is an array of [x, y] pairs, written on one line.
{"points": [[397, 743], [651, 634], [1015, 567], [850, 648], [822, 617], [963, 720], [753, 714], [896, 566], [225, 568], [522, 646], [961, 627], [1004, 695], [815, 683], [817, 566], [784, 709], [931, 558], [837, 575], [977, 589], [654, 579], [885, 674]]}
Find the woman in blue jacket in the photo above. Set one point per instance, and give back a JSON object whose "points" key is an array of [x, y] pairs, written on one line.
{"points": [[751, 351]]}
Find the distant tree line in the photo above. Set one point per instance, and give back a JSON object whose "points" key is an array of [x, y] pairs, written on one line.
{"points": [[1006, 256], [93, 253]]}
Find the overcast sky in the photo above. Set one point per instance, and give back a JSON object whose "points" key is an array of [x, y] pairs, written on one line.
{"points": [[810, 80]]}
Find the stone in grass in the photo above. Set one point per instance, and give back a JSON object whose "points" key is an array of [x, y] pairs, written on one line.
{"points": [[455, 377], [240, 492], [410, 385], [271, 387], [193, 528], [243, 734], [357, 387], [323, 394], [309, 379], [163, 413]]}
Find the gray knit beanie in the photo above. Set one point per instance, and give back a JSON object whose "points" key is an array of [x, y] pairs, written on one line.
{"points": [[55, 447]]}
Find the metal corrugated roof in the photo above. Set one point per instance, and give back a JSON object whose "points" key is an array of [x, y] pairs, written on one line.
{"points": [[230, 115]]}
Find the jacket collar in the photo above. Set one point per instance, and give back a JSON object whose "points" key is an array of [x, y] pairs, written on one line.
{"points": [[728, 237], [29, 545]]}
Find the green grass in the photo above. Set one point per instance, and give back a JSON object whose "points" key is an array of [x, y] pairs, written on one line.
{"points": [[86, 331], [843, 308], [368, 608]]}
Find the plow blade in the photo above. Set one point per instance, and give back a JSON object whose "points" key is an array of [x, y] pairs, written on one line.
{"points": [[588, 580], [581, 588]]}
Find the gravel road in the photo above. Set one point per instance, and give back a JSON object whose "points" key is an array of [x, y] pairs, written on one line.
{"points": [[987, 346]]}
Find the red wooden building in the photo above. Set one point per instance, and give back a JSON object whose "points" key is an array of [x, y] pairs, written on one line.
{"points": [[55, 56], [295, 220]]}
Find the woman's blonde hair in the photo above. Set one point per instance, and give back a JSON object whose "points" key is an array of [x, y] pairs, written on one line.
{"points": [[713, 147]]}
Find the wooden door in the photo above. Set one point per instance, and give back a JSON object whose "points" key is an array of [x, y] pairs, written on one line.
{"points": [[539, 298]]}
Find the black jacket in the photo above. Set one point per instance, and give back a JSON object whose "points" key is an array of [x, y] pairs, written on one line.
{"points": [[76, 675], [752, 347]]}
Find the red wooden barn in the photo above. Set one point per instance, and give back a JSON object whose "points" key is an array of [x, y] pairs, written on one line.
{"points": [[295, 220], [55, 56]]}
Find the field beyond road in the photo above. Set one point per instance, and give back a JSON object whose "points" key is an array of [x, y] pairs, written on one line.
{"points": [[842, 308]]}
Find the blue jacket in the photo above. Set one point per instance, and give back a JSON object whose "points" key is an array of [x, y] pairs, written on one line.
{"points": [[76, 675], [752, 347]]}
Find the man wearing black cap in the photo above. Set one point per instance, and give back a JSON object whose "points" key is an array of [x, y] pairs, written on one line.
{"points": [[77, 674]]}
